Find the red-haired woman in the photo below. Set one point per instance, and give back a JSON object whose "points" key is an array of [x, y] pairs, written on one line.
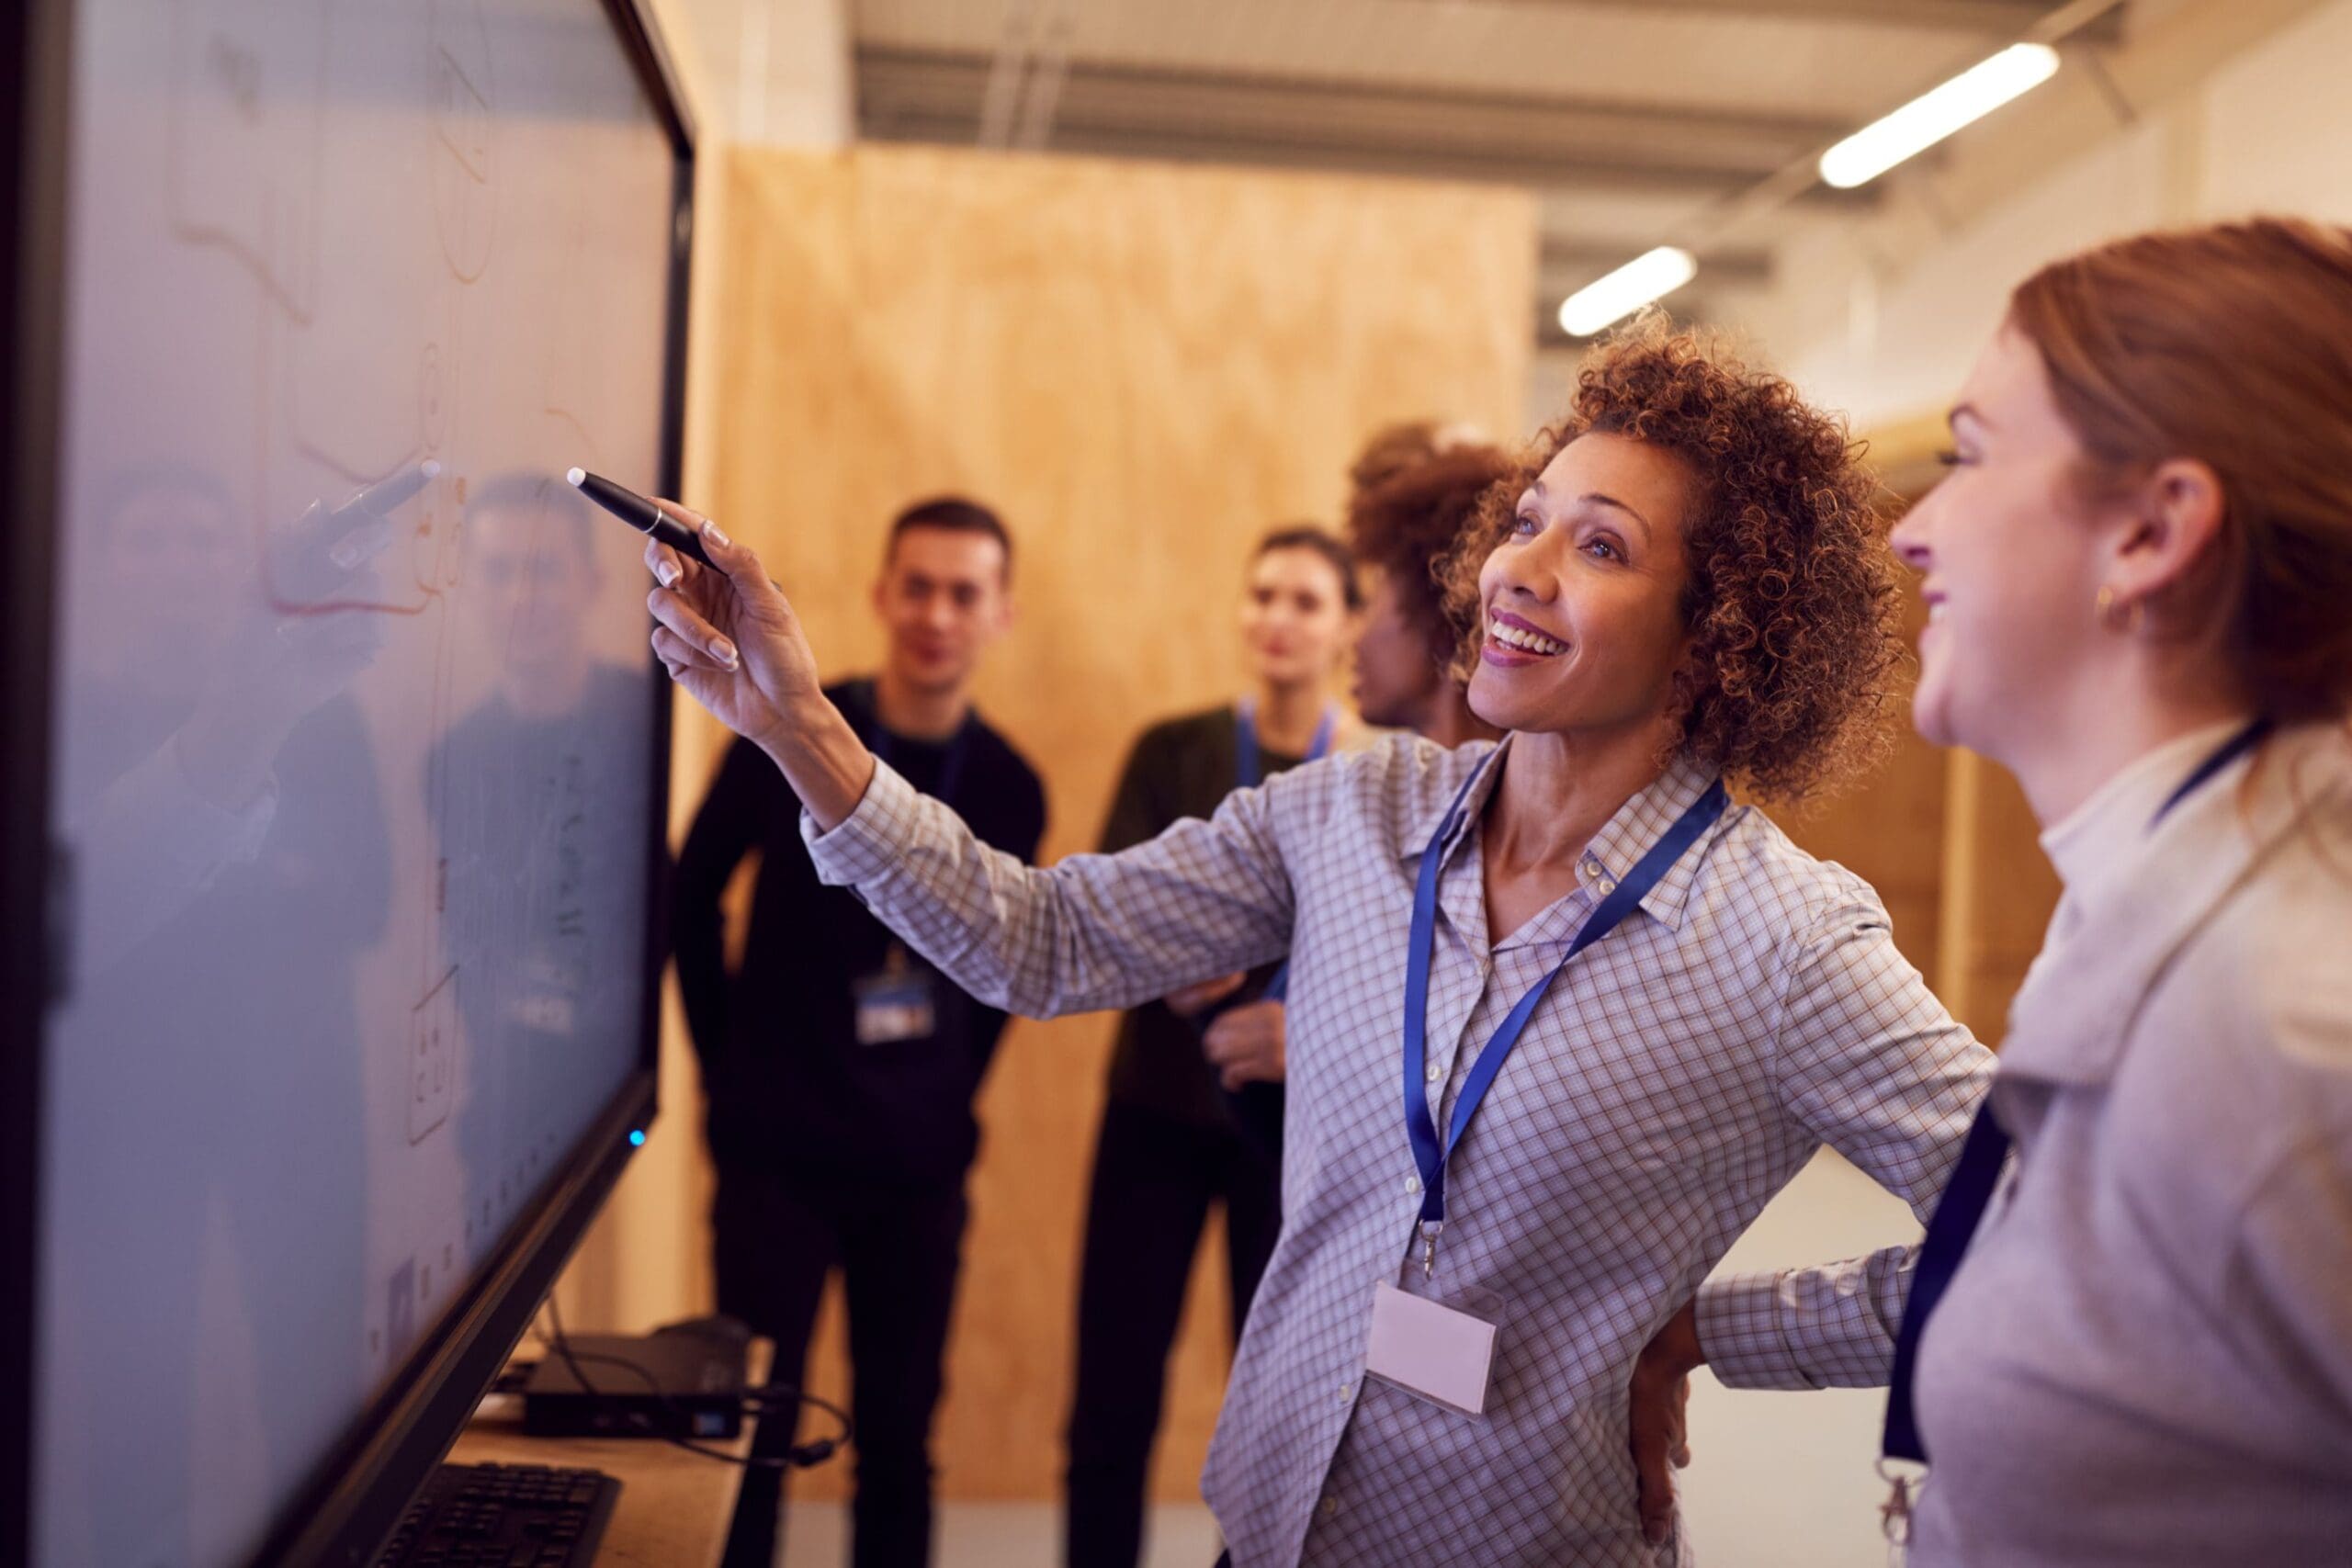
{"points": [[2140, 586], [1496, 1188]]}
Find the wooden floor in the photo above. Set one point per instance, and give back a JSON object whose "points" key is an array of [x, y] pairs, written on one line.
{"points": [[999, 1535]]}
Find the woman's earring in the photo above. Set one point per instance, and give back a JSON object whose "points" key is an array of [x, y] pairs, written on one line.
{"points": [[2118, 617]]}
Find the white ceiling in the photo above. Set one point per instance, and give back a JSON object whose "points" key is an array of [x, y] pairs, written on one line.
{"points": [[1847, 59], [1632, 119]]}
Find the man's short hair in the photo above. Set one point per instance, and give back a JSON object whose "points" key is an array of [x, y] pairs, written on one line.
{"points": [[522, 490], [1329, 545], [957, 515]]}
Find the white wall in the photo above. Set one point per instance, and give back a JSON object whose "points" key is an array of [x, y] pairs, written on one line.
{"points": [[1785, 1479], [775, 72], [1882, 318]]}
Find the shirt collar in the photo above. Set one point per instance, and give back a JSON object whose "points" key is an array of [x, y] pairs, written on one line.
{"points": [[2097, 842], [1423, 826], [1638, 825], [1627, 836], [2077, 1009]]}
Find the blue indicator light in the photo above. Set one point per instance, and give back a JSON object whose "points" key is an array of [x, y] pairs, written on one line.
{"points": [[637, 1138]]}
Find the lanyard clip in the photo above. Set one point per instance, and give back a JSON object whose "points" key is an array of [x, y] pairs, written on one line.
{"points": [[1429, 1246], [1895, 1514]]}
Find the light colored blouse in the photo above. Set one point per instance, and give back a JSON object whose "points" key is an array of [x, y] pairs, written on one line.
{"points": [[2145, 1357], [1674, 1078]]}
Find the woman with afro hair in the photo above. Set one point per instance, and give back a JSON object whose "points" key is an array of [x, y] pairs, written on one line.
{"points": [[1563, 1016]]}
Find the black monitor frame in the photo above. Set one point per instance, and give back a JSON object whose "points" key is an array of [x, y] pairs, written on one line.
{"points": [[357, 1494]]}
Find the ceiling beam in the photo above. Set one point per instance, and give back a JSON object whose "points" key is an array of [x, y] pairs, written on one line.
{"points": [[909, 93], [1985, 18]]}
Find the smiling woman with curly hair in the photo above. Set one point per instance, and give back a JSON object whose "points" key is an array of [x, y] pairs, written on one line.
{"points": [[1789, 598], [1468, 1346]]}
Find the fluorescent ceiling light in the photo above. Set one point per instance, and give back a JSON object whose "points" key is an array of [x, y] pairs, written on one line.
{"points": [[1929, 118], [1647, 277]]}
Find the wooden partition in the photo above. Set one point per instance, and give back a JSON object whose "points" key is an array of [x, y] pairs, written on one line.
{"points": [[1142, 368]]}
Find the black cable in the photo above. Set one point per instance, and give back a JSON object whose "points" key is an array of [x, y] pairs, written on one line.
{"points": [[800, 1455]]}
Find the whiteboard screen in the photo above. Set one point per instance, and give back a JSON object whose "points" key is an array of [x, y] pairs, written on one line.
{"points": [[352, 714]]}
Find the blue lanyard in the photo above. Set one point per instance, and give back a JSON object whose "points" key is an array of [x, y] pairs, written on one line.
{"points": [[1247, 770], [1419, 1126], [2236, 746], [1249, 773], [1970, 1190]]}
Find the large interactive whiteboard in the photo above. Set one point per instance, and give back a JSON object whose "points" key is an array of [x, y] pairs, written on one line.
{"points": [[352, 717]]}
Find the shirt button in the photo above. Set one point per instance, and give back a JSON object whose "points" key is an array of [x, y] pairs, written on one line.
{"points": [[1437, 1071], [1346, 1389], [1412, 1184], [1331, 1506], [1606, 884]]}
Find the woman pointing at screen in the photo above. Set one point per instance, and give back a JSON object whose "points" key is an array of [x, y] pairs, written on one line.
{"points": [[1563, 1019]]}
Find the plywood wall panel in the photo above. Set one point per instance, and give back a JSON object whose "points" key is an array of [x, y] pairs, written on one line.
{"points": [[1998, 891]]}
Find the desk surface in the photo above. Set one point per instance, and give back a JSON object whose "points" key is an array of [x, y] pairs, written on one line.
{"points": [[675, 1507]]}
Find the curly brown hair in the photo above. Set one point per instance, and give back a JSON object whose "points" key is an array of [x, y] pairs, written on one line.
{"points": [[1390, 450], [1791, 600], [1407, 524]]}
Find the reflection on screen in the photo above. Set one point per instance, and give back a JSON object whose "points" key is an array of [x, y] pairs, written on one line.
{"points": [[352, 714]]}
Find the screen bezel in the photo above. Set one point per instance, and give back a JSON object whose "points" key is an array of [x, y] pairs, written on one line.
{"points": [[357, 1494]]}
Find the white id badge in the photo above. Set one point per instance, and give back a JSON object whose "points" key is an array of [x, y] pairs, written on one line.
{"points": [[894, 1006], [1426, 1348]]}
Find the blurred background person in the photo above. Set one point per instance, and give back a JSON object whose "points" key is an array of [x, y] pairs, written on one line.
{"points": [[1173, 1144], [232, 864], [1399, 528], [841, 1069], [530, 833]]}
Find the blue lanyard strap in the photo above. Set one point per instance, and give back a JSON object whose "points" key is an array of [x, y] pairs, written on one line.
{"points": [[1419, 1128], [1963, 1206], [1970, 1192], [1248, 770], [2237, 746]]}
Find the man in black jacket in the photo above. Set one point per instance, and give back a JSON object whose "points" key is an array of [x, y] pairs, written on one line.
{"points": [[840, 1067]]}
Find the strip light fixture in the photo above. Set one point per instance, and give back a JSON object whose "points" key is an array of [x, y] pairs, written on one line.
{"points": [[1859, 158], [1937, 112], [1650, 276]]}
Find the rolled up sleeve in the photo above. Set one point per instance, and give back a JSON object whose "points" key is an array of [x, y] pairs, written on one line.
{"points": [[1203, 899]]}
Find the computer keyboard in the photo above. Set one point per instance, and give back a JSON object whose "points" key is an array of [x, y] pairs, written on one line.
{"points": [[503, 1516]]}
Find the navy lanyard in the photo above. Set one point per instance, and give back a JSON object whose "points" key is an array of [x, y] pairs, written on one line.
{"points": [[1970, 1192], [2237, 746], [1247, 768], [1428, 1154], [878, 741], [1249, 773]]}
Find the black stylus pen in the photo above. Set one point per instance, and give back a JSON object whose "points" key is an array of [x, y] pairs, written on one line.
{"points": [[640, 513]]}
